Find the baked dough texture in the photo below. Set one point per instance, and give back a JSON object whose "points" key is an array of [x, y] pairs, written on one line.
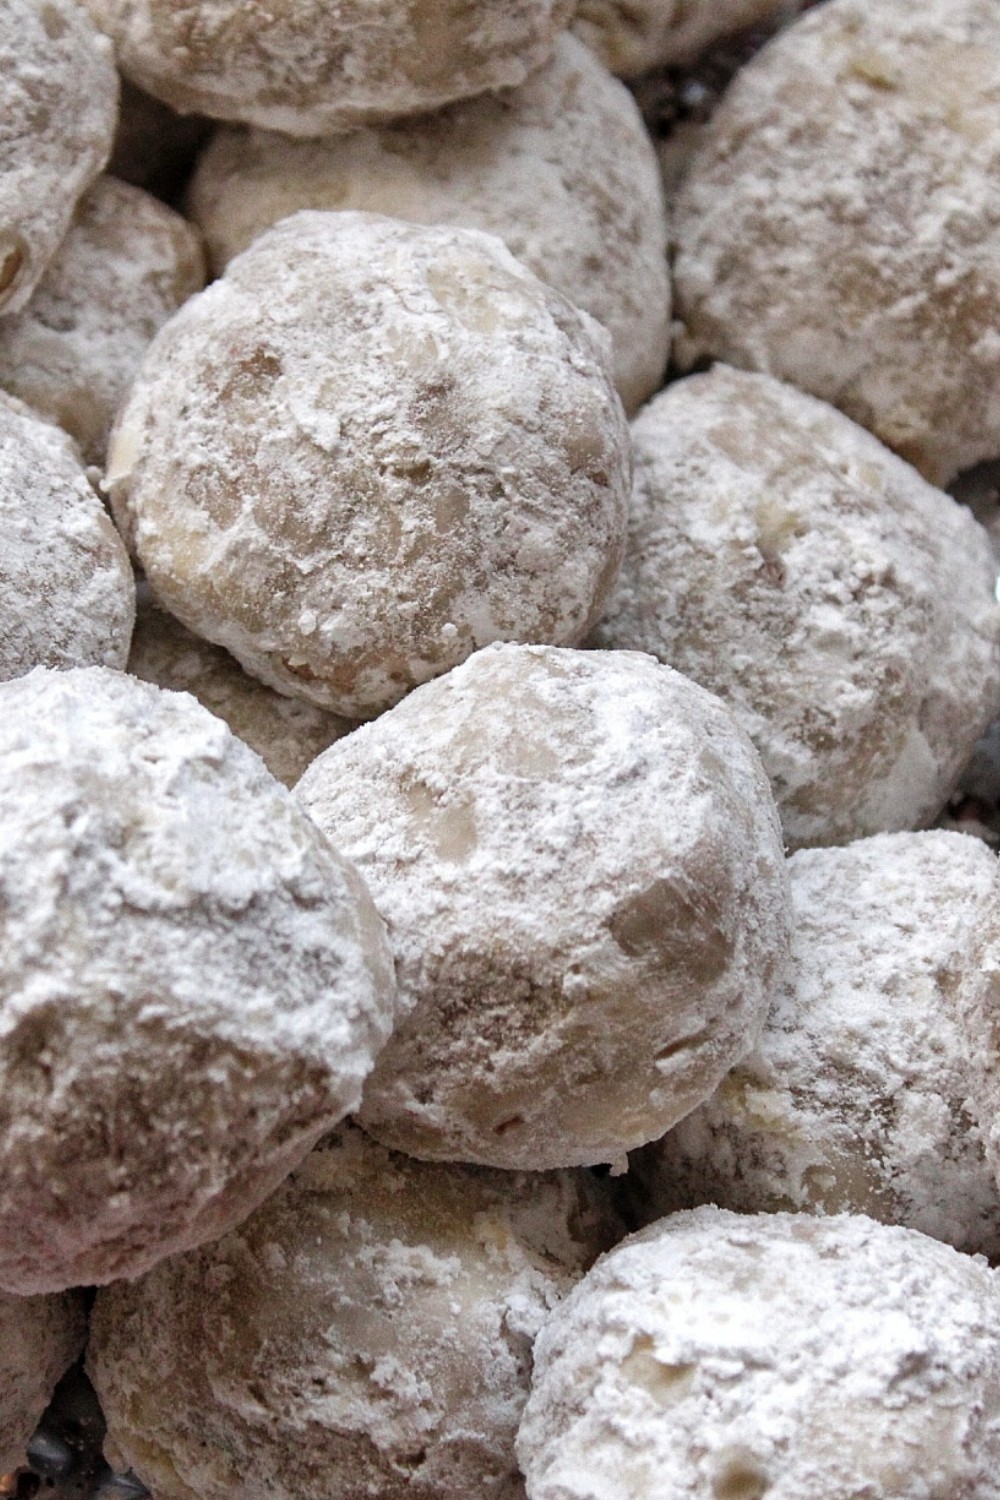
{"points": [[58, 105], [856, 1098], [310, 68], [632, 37], [561, 169], [721, 1356], [839, 227], [68, 598], [843, 607], [286, 733], [193, 983], [369, 449], [580, 866], [40, 1337], [126, 264], [368, 1332]]}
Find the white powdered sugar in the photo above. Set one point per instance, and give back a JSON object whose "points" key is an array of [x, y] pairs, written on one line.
{"points": [[781, 1356], [58, 104], [856, 1098], [126, 264], [369, 449], [561, 169], [39, 1339], [308, 68], [286, 733], [839, 227], [194, 984], [844, 608], [65, 580], [367, 1332], [579, 863]]}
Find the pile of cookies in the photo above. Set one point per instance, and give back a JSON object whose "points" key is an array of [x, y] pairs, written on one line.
{"points": [[485, 1008]]}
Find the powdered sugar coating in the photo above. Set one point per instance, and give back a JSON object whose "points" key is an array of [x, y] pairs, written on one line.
{"points": [[579, 863], [65, 580], [738, 1357], [843, 608], [193, 984], [286, 733], [979, 1017], [561, 169], [856, 1098], [58, 104], [368, 450], [309, 68], [368, 1332], [126, 264], [866, 140], [39, 1339], [634, 36]]}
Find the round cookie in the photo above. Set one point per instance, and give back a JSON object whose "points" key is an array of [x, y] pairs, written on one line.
{"points": [[634, 36], [65, 580], [58, 104], [126, 264], [844, 609], [579, 863], [309, 68], [741, 1357], [40, 1337], [367, 1332], [865, 140], [856, 1097], [561, 169], [286, 733], [370, 449], [193, 983]]}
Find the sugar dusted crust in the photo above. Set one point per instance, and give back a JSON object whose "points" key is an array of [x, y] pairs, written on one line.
{"points": [[864, 141], [579, 862], [58, 105], [194, 982], [65, 579], [561, 169], [856, 1098], [127, 263], [286, 733], [368, 1332], [777, 1355], [844, 609], [370, 449], [310, 68]]}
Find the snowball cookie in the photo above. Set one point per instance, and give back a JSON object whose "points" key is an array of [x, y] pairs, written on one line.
{"points": [[67, 597], [367, 1332], [738, 1357], [40, 1337], [370, 449], [307, 67], [864, 140], [286, 733], [193, 983], [127, 263], [856, 1097], [634, 36], [580, 866], [58, 105], [562, 169], [843, 608]]}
